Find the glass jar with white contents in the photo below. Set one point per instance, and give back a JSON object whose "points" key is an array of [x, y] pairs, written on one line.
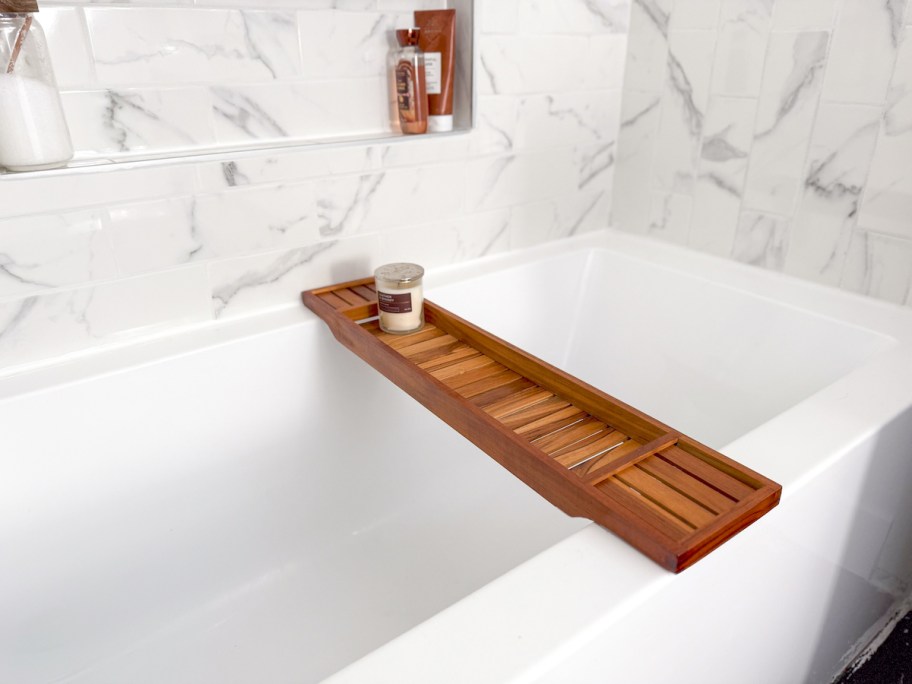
{"points": [[400, 297], [33, 129]]}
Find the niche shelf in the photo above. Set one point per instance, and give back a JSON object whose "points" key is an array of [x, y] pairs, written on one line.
{"points": [[586, 452]]}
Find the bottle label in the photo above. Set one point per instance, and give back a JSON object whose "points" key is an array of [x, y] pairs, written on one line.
{"points": [[432, 70], [394, 303], [405, 91]]}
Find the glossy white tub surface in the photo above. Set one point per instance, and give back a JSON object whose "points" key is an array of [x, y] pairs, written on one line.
{"points": [[249, 502]]}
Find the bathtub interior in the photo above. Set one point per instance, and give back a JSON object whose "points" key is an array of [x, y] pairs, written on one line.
{"points": [[261, 508], [273, 506], [705, 358]]}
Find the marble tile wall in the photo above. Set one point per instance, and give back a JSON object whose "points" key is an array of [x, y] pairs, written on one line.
{"points": [[774, 132], [100, 256]]}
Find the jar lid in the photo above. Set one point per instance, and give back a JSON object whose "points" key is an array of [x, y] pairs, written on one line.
{"points": [[17, 6], [399, 273]]}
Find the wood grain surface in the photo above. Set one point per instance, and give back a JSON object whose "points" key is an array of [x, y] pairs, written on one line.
{"points": [[586, 452]]}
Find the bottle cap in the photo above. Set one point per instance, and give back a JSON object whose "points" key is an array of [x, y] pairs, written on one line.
{"points": [[18, 6], [408, 36]]}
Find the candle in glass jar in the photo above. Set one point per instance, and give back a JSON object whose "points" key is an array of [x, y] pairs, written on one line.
{"points": [[400, 297]]}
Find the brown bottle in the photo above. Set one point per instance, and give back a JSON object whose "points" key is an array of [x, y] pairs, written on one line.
{"points": [[411, 87]]}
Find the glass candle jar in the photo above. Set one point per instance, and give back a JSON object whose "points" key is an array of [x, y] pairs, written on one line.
{"points": [[400, 297], [33, 129]]}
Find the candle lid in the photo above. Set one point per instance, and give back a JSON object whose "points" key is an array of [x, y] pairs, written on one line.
{"points": [[17, 6], [399, 273]]}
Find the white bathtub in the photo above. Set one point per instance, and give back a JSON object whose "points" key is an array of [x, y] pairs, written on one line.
{"points": [[252, 503]]}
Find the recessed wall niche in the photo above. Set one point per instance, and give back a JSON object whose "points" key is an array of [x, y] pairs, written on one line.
{"points": [[143, 81]]}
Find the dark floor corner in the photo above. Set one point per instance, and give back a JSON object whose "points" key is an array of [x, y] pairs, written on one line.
{"points": [[891, 663]]}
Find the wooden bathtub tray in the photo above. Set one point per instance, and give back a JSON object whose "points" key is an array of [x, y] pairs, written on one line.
{"points": [[587, 453]]}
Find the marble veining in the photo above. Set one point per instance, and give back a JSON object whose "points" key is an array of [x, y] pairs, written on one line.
{"points": [[335, 217], [658, 15], [245, 114], [595, 163], [224, 294], [797, 159], [762, 240]]}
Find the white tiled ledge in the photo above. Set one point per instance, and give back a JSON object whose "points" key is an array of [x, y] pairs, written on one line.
{"points": [[92, 163]]}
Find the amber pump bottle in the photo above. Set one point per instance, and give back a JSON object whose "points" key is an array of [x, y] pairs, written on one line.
{"points": [[411, 87]]}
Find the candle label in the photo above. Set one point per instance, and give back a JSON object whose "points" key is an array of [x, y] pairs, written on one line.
{"points": [[395, 303]]}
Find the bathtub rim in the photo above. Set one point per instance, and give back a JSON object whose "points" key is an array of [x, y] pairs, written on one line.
{"points": [[633, 579]]}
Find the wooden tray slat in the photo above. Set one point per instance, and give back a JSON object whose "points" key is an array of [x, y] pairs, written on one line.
{"points": [[484, 370], [461, 352], [495, 394], [517, 402], [628, 447], [588, 427], [620, 462], [586, 452], [580, 452]]}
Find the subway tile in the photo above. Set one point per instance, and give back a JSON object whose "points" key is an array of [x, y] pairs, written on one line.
{"points": [[300, 110], [450, 241], [647, 56], [670, 216], [690, 15], [785, 119], [53, 251], [136, 46], [762, 240], [375, 202], [149, 236], [337, 44], [285, 166], [91, 187], [637, 137], [581, 118], [59, 323], [724, 157], [582, 212], [519, 178], [497, 120], [129, 120], [804, 15], [574, 16], [421, 150], [532, 64], [887, 204], [349, 5], [605, 61], [743, 35], [838, 160], [879, 266], [68, 42], [500, 16], [430, 244], [255, 219], [865, 44], [406, 5], [684, 102], [253, 284]]}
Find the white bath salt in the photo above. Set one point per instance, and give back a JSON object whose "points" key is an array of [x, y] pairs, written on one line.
{"points": [[33, 129]]}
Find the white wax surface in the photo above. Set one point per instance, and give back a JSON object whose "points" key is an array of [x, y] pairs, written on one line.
{"points": [[33, 129], [404, 322]]}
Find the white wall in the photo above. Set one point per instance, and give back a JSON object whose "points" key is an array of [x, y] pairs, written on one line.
{"points": [[90, 257], [774, 132]]}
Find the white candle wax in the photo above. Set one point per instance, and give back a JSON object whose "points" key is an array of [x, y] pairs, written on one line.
{"points": [[401, 310]]}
